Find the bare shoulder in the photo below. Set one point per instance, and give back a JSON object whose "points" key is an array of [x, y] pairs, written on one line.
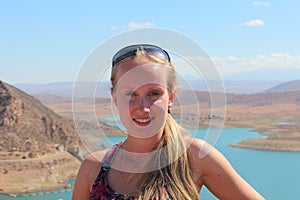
{"points": [[210, 168], [199, 149], [95, 157], [87, 174], [200, 154], [205, 158], [92, 163]]}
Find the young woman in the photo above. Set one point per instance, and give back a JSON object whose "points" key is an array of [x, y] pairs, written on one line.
{"points": [[157, 160]]}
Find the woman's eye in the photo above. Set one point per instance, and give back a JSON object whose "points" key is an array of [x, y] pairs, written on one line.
{"points": [[154, 93], [129, 93]]}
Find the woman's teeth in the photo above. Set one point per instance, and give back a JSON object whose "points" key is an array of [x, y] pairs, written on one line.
{"points": [[143, 120]]}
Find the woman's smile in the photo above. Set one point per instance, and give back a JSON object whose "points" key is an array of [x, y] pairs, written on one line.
{"points": [[143, 121]]}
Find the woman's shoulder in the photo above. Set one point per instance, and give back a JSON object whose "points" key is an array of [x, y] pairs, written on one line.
{"points": [[201, 154], [87, 174], [91, 165], [94, 159], [205, 159], [198, 147], [211, 168]]}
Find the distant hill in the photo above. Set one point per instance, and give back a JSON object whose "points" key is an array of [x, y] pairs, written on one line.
{"points": [[235, 86], [258, 99], [64, 88], [30, 127], [103, 88], [286, 87], [39, 149]]}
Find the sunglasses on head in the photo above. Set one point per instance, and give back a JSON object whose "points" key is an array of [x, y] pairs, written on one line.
{"points": [[132, 49]]}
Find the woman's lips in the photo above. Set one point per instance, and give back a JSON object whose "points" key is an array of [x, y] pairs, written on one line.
{"points": [[142, 121]]}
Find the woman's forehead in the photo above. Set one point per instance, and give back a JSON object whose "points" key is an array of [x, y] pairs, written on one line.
{"points": [[146, 87], [135, 76]]}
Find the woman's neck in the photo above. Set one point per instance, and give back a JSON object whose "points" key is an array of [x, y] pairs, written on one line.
{"points": [[141, 145]]}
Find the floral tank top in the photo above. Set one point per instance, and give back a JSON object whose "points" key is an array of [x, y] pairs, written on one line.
{"points": [[101, 189]]}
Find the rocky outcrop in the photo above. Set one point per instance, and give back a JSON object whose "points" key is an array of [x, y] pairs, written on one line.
{"points": [[38, 148], [28, 127]]}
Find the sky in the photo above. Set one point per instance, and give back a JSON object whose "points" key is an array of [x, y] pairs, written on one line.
{"points": [[48, 41]]}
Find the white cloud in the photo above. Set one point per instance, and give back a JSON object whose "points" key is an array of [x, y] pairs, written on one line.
{"points": [[115, 28], [133, 25], [140, 25], [255, 22], [261, 3], [232, 65]]}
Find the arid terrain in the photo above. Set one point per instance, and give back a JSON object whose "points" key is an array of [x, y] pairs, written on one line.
{"points": [[40, 148], [274, 114]]}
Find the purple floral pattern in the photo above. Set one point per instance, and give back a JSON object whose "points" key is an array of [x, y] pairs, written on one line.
{"points": [[101, 189]]}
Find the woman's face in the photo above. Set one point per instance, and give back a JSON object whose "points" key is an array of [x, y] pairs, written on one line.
{"points": [[142, 97]]}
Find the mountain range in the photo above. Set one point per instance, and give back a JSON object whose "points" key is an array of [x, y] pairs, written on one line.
{"points": [[103, 88], [287, 86]]}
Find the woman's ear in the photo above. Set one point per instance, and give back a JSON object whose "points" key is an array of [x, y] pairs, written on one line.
{"points": [[172, 97]]}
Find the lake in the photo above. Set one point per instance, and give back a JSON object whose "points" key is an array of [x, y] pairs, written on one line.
{"points": [[274, 174]]}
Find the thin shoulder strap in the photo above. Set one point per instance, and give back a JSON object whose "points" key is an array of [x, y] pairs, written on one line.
{"points": [[109, 154]]}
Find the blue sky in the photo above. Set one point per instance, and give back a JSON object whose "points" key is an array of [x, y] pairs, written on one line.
{"points": [[47, 41]]}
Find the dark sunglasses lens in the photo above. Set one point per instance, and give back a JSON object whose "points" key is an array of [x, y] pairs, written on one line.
{"points": [[131, 51]]}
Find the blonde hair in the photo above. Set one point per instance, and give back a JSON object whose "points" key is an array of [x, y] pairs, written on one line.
{"points": [[175, 178]]}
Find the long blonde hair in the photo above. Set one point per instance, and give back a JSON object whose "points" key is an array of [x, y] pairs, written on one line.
{"points": [[175, 178]]}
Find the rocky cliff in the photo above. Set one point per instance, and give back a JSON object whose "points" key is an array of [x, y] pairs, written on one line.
{"points": [[29, 127], [38, 148]]}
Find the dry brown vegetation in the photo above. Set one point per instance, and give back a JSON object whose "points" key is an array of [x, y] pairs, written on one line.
{"points": [[40, 148], [263, 111]]}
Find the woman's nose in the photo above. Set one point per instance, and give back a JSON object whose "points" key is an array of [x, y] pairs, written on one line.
{"points": [[144, 104]]}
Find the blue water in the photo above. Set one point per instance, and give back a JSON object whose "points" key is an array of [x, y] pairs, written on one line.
{"points": [[113, 121], [286, 123], [274, 174]]}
